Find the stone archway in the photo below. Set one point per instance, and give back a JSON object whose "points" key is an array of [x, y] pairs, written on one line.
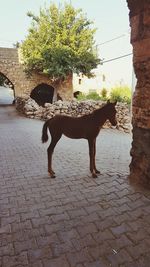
{"points": [[140, 39], [11, 66], [43, 93], [7, 92]]}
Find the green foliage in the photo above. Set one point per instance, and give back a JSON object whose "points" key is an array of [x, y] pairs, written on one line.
{"points": [[81, 96], [93, 96], [121, 94], [60, 41], [103, 94]]}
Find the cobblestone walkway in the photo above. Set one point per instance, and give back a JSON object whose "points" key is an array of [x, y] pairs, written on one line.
{"points": [[73, 220]]}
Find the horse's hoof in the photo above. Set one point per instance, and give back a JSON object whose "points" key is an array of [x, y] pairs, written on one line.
{"points": [[52, 174], [98, 172], [94, 175]]}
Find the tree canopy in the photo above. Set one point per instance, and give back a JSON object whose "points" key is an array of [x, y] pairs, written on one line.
{"points": [[60, 41]]}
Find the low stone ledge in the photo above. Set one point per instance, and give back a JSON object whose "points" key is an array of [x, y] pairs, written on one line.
{"points": [[31, 109]]}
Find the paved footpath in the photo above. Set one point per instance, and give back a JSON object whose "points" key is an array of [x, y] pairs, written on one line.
{"points": [[73, 220]]}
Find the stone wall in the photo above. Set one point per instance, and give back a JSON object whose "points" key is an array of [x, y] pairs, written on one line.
{"points": [[30, 108], [11, 67], [140, 39]]}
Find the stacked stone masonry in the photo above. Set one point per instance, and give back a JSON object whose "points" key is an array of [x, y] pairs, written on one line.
{"points": [[73, 108], [12, 67], [140, 39]]}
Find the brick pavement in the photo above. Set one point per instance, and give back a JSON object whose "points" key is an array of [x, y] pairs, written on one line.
{"points": [[73, 220]]}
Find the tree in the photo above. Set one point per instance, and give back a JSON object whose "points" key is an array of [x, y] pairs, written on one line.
{"points": [[16, 45], [60, 41], [2, 79]]}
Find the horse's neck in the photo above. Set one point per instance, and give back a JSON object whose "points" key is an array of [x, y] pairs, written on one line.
{"points": [[101, 115]]}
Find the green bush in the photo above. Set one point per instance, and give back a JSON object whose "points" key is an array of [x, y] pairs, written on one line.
{"points": [[81, 96], [93, 96], [121, 94], [103, 94]]}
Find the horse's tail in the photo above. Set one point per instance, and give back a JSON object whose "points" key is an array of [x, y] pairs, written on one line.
{"points": [[44, 132]]}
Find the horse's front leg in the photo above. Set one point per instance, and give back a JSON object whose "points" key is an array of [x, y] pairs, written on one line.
{"points": [[91, 154], [97, 171]]}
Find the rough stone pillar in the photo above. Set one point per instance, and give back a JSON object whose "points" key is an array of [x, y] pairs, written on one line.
{"points": [[140, 39]]}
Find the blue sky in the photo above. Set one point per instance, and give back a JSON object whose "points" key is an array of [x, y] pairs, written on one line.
{"points": [[110, 17]]}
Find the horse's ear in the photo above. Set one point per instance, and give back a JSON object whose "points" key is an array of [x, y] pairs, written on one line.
{"points": [[115, 103], [108, 101]]}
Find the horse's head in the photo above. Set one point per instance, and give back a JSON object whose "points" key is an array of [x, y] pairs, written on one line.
{"points": [[112, 112]]}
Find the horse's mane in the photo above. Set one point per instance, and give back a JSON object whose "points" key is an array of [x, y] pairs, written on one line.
{"points": [[97, 111]]}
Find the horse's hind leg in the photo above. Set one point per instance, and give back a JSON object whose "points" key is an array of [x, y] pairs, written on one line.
{"points": [[54, 140], [94, 147]]}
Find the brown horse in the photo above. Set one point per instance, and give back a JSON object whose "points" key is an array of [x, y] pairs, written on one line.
{"points": [[87, 127]]}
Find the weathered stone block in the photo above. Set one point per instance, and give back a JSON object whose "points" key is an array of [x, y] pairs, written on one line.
{"points": [[141, 50], [134, 22], [140, 39], [140, 152], [146, 19]]}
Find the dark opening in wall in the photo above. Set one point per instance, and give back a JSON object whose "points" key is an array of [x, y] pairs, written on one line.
{"points": [[75, 94], [43, 93]]}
